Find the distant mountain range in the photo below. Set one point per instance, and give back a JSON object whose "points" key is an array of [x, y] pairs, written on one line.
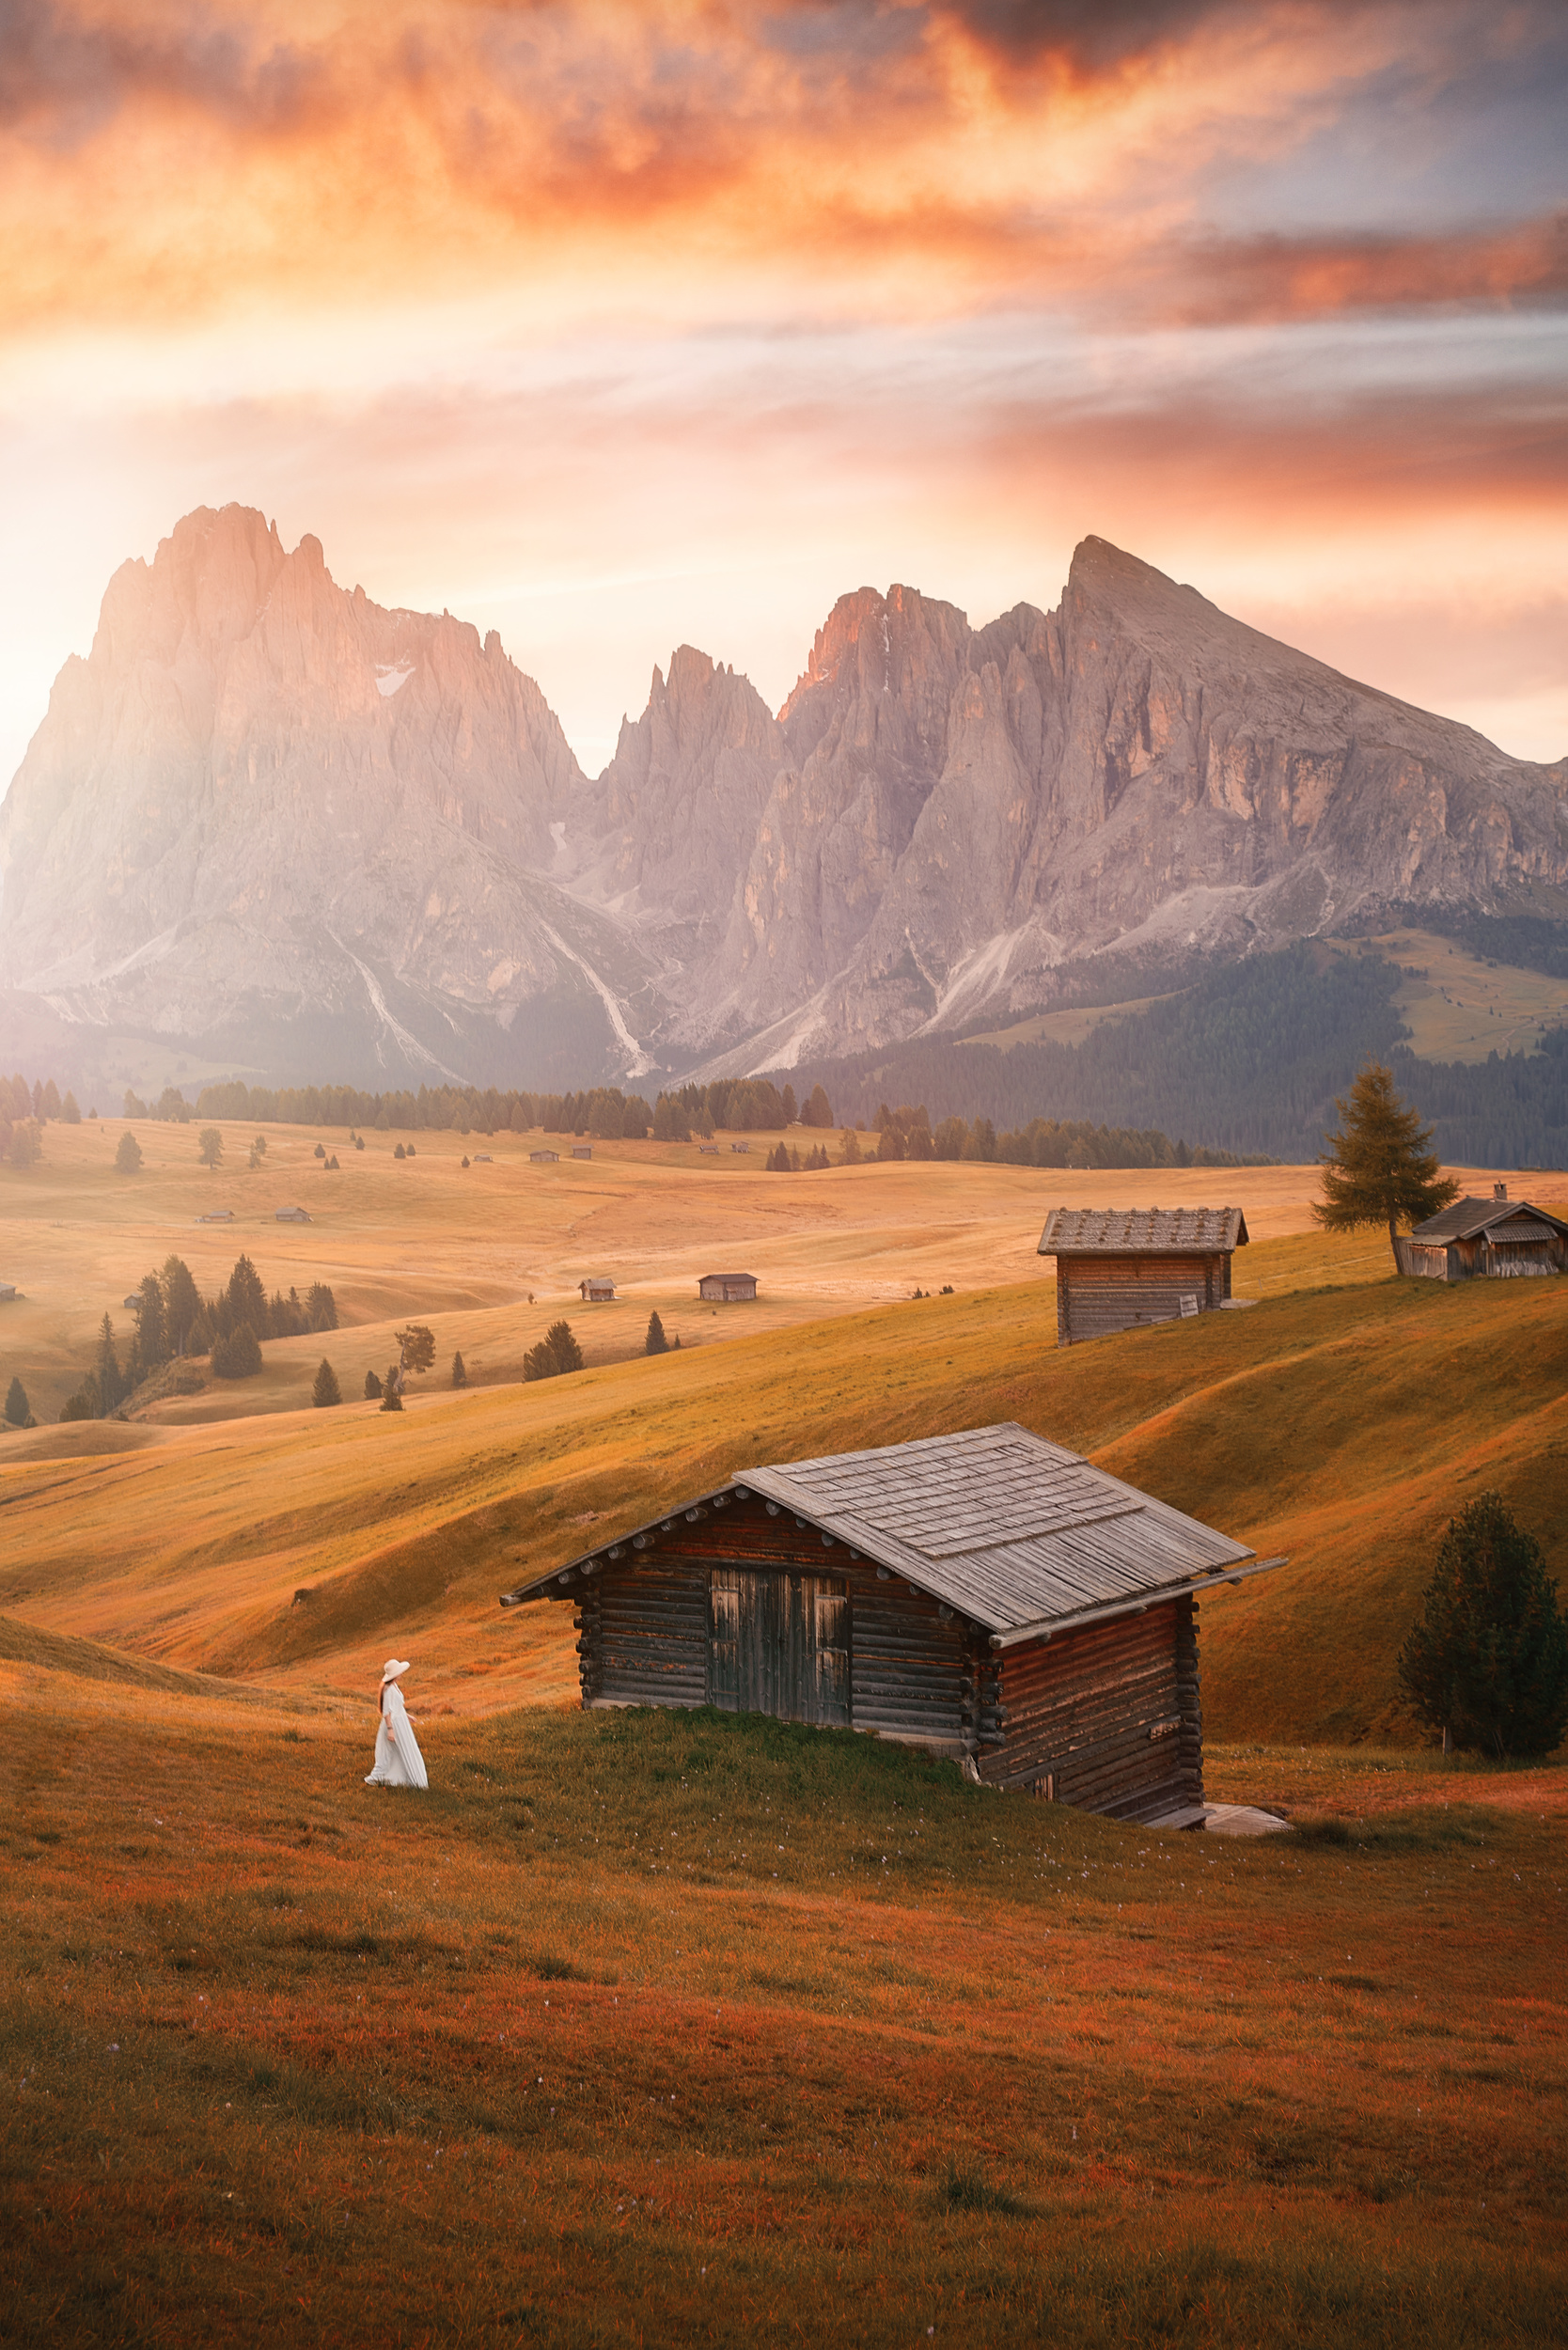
{"points": [[275, 827]]}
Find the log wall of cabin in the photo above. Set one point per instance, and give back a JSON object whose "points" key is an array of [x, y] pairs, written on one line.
{"points": [[915, 1674], [1097, 1295], [1107, 1719]]}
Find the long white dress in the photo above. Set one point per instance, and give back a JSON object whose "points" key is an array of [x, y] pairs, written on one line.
{"points": [[399, 1760]]}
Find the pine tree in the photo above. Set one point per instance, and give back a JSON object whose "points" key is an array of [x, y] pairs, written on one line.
{"points": [[248, 1299], [26, 1149], [460, 1372], [181, 1305], [239, 1356], [1487, 1663], [418, 1347], [556, 1351], [70, 1114], [372, 1387], [210, 1148], [391, 1399], [111, 1379], [18, 1410], [655, 1343], [152, 1336], [1378, 1168], [325, 1389], [128, 1158]]}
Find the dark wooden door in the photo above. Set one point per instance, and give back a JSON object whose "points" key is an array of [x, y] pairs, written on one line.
{"points": [[779, 1643]]}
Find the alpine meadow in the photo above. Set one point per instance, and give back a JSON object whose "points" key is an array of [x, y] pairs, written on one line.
{"points": [[783, 1175]]}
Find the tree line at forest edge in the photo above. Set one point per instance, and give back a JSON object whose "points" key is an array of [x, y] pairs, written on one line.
{"points": [[604, 1113]]}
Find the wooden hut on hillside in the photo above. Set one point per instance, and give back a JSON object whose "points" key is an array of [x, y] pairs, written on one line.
{"points": [[1119, 1268], [597, 1290], [985, 1595], [1487, 1240], [582, 1149], [544, 1158], [728, 1289]]}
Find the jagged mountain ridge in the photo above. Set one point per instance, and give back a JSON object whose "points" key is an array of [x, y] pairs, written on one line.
{"points": [[264, 805], [270, 817]]}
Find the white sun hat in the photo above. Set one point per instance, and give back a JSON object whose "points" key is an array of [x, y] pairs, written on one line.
{"points": [[393, 1670]]}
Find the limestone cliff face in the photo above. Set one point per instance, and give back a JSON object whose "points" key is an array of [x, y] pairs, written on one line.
{"points": [[661, 837], [268, 816], [263, 799], [967, 810]]}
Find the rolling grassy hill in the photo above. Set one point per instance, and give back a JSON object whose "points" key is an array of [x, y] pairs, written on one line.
{"points": [[1342, 1425]]}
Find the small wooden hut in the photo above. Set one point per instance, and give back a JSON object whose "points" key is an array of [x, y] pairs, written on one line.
{"points": [[293, 1216], [597, 1290], [544, 1158], [985, 1595], [728, 1289], [582, 1149], [1118, 1268], [1487, 1240]]}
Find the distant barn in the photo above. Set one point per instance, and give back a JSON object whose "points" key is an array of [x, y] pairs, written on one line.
{"points": [[483, 1158], [293, 1215], [217, 1216], [544, 1158], [1119, 1268], [728, 1289], [1487, 1240], [597, 1290], [582, 1149], [7, 1290], [985, 1595]]}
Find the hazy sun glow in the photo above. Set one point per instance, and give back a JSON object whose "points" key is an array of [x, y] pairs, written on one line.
{"points": [[614, 326]]}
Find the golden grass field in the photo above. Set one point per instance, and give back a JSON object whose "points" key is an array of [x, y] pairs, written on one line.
{"points": [[678, 2028]]}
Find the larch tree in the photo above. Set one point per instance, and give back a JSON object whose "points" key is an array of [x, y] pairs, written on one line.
{"points": [[1379, 1167], [128, 1157], [325, 1390]]}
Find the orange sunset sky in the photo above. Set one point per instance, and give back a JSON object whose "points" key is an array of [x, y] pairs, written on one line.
{"points": [[616, 326]]}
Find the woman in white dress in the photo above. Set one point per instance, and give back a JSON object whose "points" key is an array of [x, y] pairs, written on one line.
{"points": [[399, 1760]]}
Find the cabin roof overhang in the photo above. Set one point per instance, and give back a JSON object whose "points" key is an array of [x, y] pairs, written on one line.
{"points": [[1143, 1232], [1019, 1562], [1478, 1219]]}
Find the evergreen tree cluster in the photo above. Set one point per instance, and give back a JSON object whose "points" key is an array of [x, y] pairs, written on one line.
{"points": [[556, 1351], [25, 1111], [173, 1320]]}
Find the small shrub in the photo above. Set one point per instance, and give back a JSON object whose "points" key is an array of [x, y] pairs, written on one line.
{"points": [[319, 1150], [325, 1390], [26, 1149], [963, 2187], [411, 1149], [391, 1400], [399, 1153], [460, 1372], [78, 1406], [18, 1409]]}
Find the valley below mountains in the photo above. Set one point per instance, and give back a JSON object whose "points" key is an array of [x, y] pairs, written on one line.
{"points": [[268, 825]]}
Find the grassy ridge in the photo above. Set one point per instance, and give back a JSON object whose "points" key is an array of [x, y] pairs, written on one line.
{"points": [[1343, 1427], [671, 2028]]}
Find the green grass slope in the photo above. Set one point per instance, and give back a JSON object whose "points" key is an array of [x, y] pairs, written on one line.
{"points": [[1343, 1427]]}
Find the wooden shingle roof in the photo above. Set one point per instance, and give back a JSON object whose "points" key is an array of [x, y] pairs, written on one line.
{"points": [[1467, 1219], [1017, 1534], [1141, 1231]]}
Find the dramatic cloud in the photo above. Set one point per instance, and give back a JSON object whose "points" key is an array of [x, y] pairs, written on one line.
{"points": [[615, 321]]}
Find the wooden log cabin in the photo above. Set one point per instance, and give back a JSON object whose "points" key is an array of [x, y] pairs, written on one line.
{"points": [[1487, 1240], [1119, 1268], [985, 1595]]}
